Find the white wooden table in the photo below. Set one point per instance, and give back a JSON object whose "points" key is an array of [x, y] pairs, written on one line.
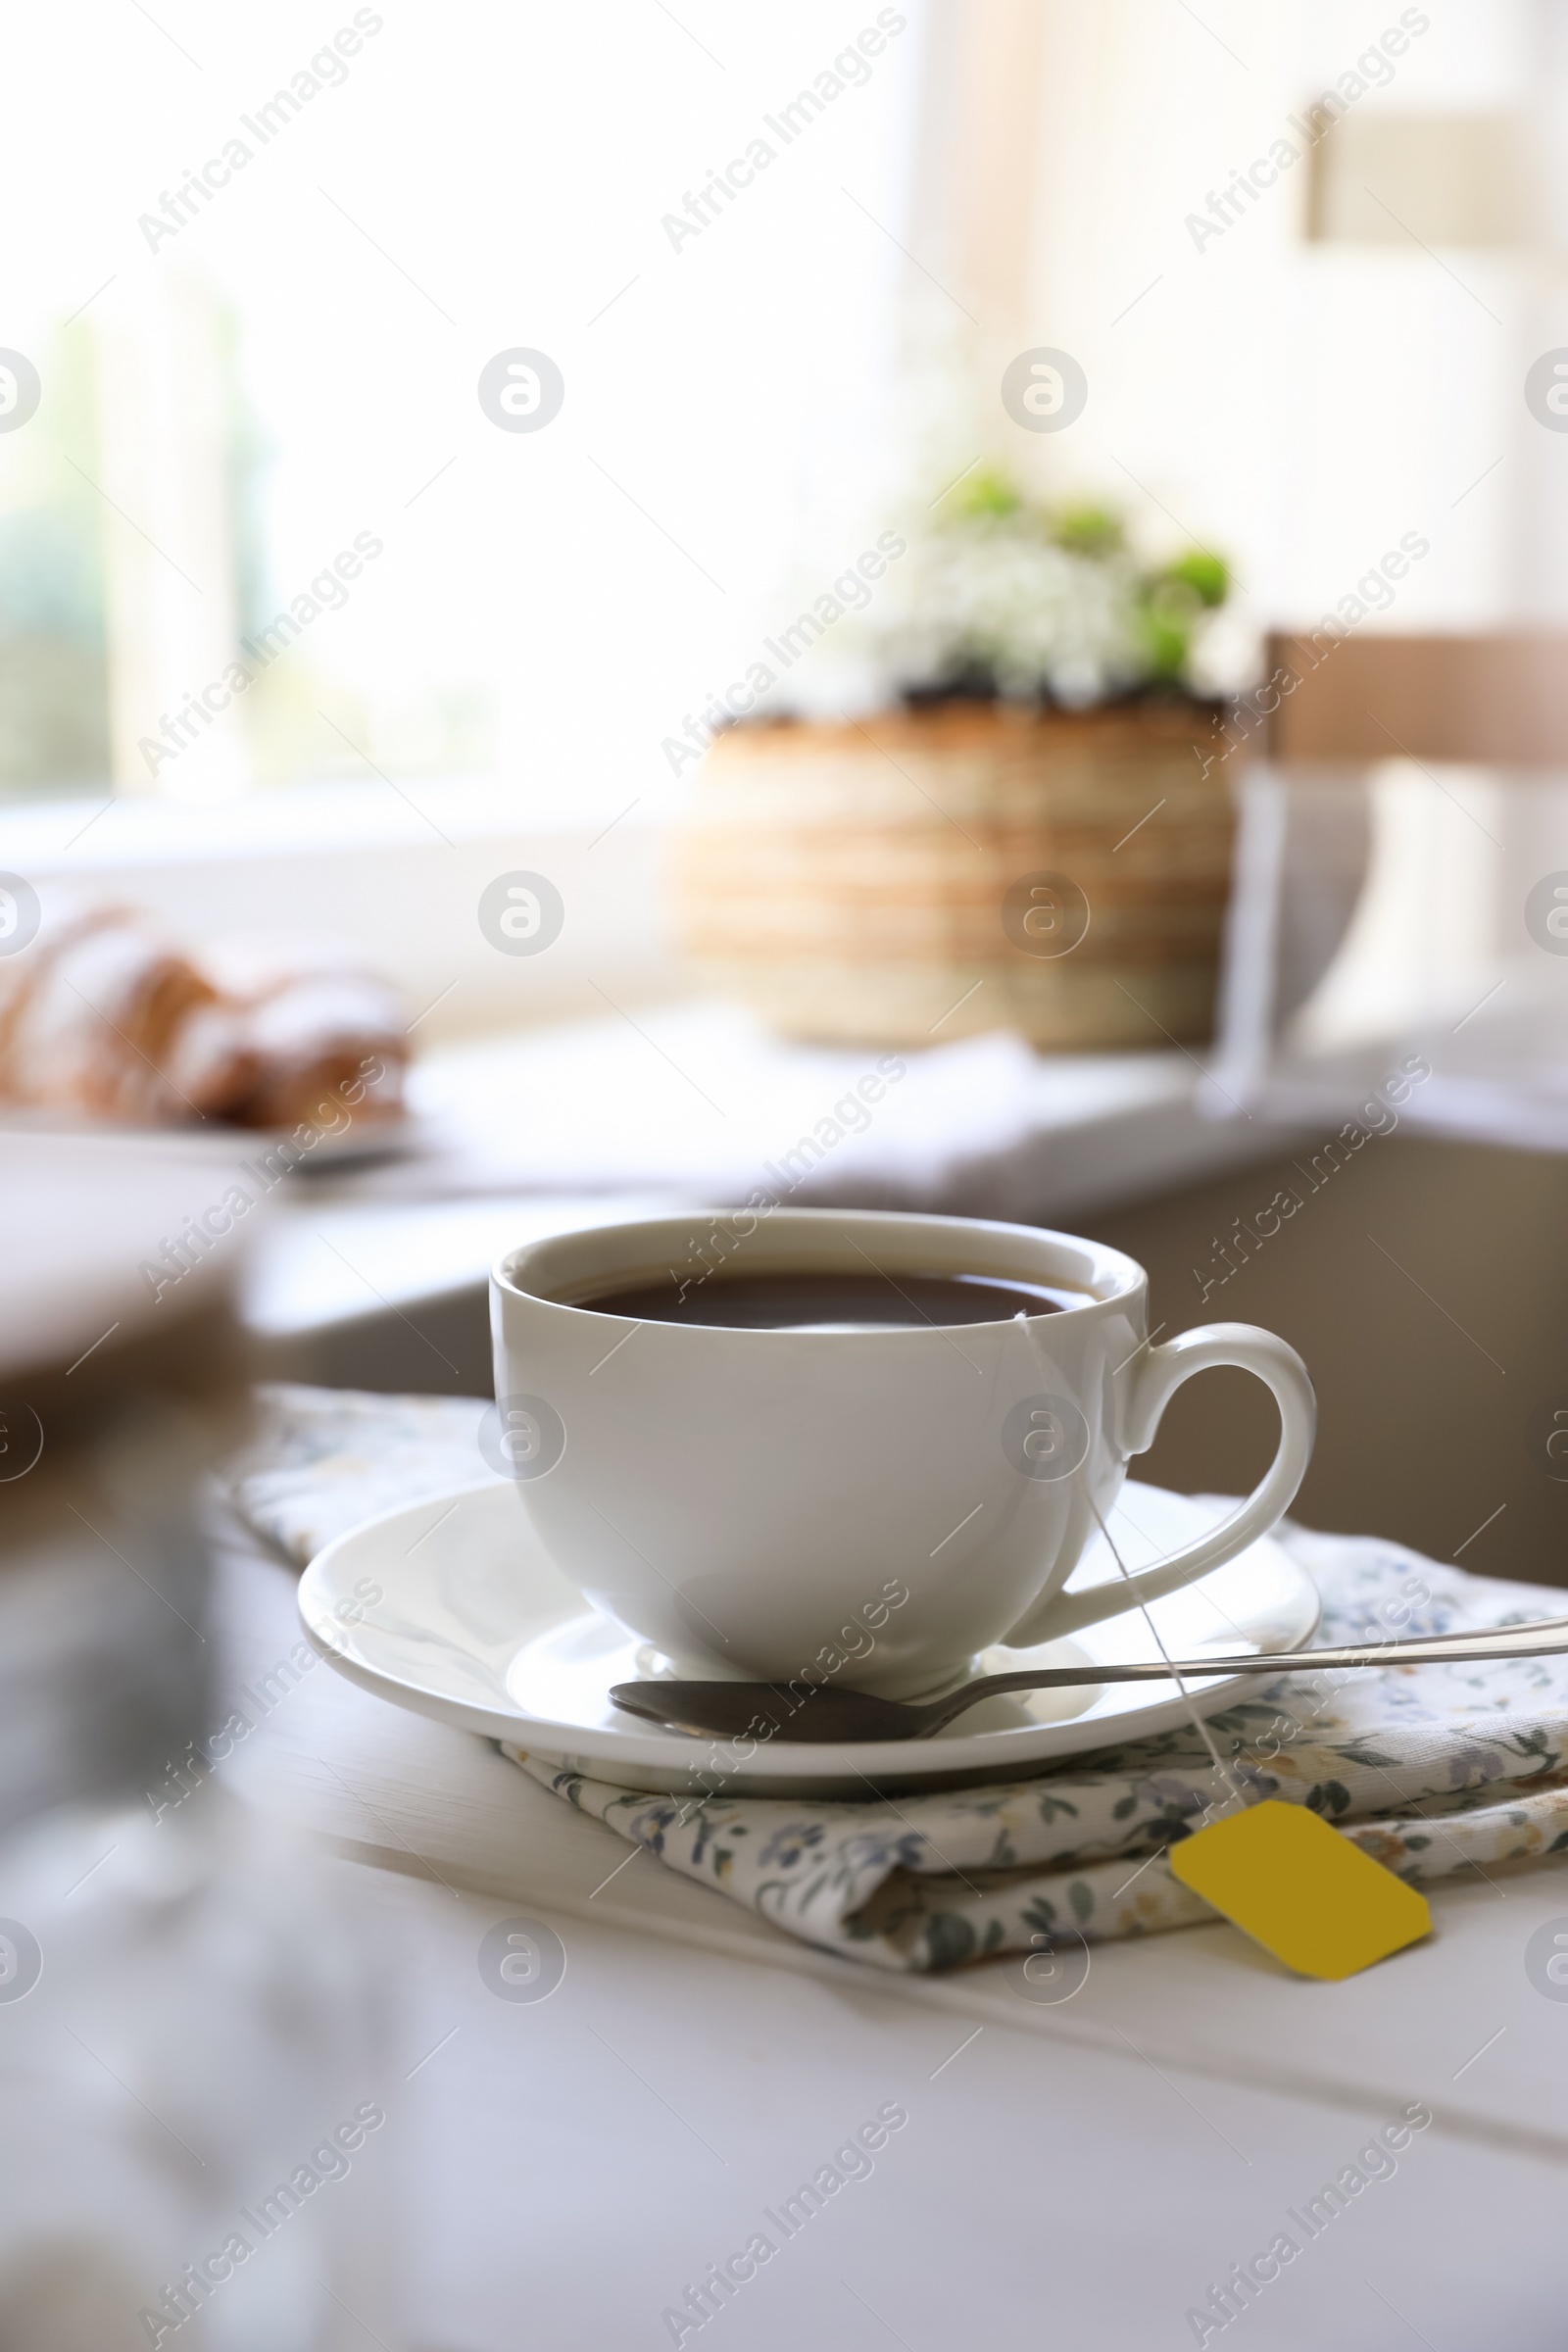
{"points": [[1070, 2176]]}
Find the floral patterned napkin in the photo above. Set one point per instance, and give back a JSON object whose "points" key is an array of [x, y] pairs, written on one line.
{"points": [[1430, 1770]]}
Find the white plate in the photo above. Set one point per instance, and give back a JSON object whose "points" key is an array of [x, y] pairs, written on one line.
{"points": [[388, 1138], [475, 1626]]}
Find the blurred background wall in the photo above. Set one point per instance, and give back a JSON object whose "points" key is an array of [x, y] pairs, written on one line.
{"points": [[1435, 1421]]}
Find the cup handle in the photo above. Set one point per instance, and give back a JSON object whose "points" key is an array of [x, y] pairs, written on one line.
{"points": [[1156, 1380]]}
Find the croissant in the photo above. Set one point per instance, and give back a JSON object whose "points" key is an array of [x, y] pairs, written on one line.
{"points": [[287, 1038], [90, 1010], [101, 1013]]}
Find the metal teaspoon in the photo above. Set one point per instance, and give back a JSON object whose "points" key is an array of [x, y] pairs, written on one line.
{"points": [[735, 1710]]}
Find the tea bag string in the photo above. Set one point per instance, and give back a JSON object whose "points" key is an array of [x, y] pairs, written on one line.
{"points": [[1227, 1780]]}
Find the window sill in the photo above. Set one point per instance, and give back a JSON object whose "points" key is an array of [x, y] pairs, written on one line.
{"points": [[395, 869]]}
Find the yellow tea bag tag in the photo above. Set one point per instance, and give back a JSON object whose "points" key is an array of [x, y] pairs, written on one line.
{"points": [[1301, 1889]]}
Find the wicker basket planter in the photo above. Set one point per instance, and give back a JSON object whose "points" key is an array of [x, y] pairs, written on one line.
{"points": [[931, 874]]}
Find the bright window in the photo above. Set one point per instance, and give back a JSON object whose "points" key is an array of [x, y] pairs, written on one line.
{"points": [[268, 257]]}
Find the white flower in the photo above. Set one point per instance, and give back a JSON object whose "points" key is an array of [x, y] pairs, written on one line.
{"points": [[998, 596], [992, 596]]}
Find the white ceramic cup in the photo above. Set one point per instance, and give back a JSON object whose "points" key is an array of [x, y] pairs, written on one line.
{"points": [[745, 1499]]}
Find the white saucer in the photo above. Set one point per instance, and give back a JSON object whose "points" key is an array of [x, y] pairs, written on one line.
{"points": [[477, 1627]]}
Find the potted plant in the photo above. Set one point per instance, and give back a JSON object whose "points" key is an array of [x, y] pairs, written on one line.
{"points": [[1031, 833]]}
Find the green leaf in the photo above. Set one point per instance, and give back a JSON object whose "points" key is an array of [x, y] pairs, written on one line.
{"points": [[1051, 1806], [1165, 644], [989, 491], [1329, 1796], [1088, 530], [949, 1939], [1205, 574]]}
